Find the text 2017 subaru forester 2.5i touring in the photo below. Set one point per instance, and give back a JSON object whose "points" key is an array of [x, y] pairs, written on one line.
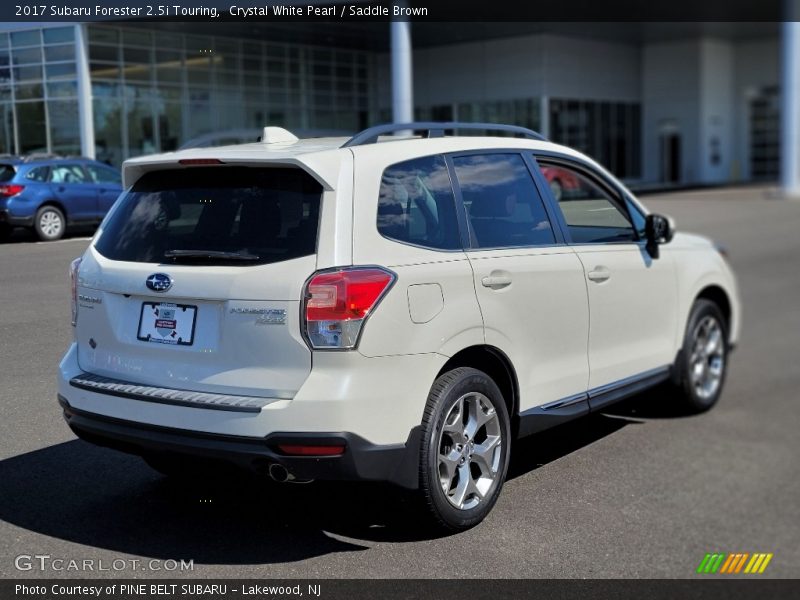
{"points": [[382, 308]]}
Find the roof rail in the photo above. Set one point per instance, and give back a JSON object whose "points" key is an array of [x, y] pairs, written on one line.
{"points": [[435, 129]]}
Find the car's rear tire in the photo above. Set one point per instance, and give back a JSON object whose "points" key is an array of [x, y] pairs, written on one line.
{"points": [[49, 223], [5, 231], [702, 363], [465, 448]]}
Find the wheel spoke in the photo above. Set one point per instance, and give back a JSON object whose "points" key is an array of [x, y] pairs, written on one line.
{"points": [[483, 455], [713, 342], [463, 487], [454, 423], [448, 464], [478, 417]]}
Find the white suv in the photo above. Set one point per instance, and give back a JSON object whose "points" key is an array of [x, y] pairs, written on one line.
{"points": [[382, 308]]}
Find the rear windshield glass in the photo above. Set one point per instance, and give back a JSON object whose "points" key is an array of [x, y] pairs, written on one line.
{"points": [[215, 215], [6, 173]]}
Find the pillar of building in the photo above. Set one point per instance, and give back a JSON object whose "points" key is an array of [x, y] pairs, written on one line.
{"points": [[790, 109], [402, 77], [85, 110]]}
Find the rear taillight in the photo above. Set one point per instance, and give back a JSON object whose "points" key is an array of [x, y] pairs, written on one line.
{"points": [[10, 189], [73, 280], [338, 303]]}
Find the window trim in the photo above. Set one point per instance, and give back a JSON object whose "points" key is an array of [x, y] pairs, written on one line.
{"points": [[587, 170], [470, 243]]}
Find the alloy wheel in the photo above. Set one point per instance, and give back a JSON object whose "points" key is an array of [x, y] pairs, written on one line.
{"points": [[707, 361], [470, 451]]}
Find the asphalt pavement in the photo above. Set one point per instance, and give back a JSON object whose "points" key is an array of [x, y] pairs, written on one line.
{"points": [[640, 491]]}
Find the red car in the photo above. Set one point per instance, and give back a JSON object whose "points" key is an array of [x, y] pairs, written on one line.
{"points": [[561, 181]]}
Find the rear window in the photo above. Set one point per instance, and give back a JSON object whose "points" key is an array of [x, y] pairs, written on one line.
{"points": [[217, 215]]}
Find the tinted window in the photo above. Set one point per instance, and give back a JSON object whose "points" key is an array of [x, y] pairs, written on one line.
{"points": [[104, 175], [592, 214], [416, 204], [67, 174], [6, 173], [38, 174], [218, 215], [503, 204]]}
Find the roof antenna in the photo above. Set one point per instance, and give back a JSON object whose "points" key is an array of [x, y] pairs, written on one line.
{"points": [[277, 135]]}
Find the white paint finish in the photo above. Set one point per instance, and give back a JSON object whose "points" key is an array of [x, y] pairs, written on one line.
{"points": [[425, 301], [231, 353], [632, 313], [391, 330], [374, 398], [540, 321]]}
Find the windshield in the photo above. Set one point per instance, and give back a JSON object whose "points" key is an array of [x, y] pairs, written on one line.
{"points": [[215, 215]]}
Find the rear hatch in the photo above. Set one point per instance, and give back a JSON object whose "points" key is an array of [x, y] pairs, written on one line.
{"points": [[196, 278]]}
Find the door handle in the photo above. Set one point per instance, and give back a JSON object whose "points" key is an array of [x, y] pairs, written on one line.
{"points": [[496, 282], [599, 274]]}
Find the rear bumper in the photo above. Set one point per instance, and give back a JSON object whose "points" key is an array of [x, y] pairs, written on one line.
{"points": [[15, 221], [360, 461]]}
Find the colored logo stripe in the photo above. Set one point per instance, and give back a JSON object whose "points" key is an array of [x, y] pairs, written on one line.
{"points": [[734, 562]]}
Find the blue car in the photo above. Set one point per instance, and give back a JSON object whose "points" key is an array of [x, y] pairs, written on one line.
{"points": [[50, 194]]}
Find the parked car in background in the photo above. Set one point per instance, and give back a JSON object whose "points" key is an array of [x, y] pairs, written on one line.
{"points": [[562, 183], [49, 194]]}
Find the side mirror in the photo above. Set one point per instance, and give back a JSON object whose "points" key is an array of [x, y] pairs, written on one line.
{"points": [[658, 230]]}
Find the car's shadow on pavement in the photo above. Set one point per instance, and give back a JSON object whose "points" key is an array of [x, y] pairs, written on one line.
{"points": [[97, 497]]}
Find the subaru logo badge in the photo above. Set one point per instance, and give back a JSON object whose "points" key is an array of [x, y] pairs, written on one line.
{"points": [[159, 282]]}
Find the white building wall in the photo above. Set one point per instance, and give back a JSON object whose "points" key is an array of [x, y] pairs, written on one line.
{"points": [[520, 67], [716, 112], [670, 100]]}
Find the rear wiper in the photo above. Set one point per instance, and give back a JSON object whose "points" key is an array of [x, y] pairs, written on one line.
{"points": [[219, 254]]}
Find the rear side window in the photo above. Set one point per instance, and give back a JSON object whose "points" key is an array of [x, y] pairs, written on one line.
{"points": [[416, 204], [6, 173], [217, 215], [504, 206], [38, 174]]}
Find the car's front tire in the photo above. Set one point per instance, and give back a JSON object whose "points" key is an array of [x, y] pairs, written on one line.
{"points": [[49, 223], [465, 448], [703, 360]]}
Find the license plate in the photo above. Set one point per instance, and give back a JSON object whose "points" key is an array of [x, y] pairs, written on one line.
{"points": [[166, 323]]}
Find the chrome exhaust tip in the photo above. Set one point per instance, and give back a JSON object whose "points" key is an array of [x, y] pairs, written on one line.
{"points": [[278, 473]]}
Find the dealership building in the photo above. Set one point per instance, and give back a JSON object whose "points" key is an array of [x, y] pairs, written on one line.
{"points": [[661, 103]]}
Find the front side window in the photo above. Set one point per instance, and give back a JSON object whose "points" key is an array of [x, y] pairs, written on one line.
{"points": [[216, 215], [503, 204], [592, 214], [104, 175], [416, 204]]}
